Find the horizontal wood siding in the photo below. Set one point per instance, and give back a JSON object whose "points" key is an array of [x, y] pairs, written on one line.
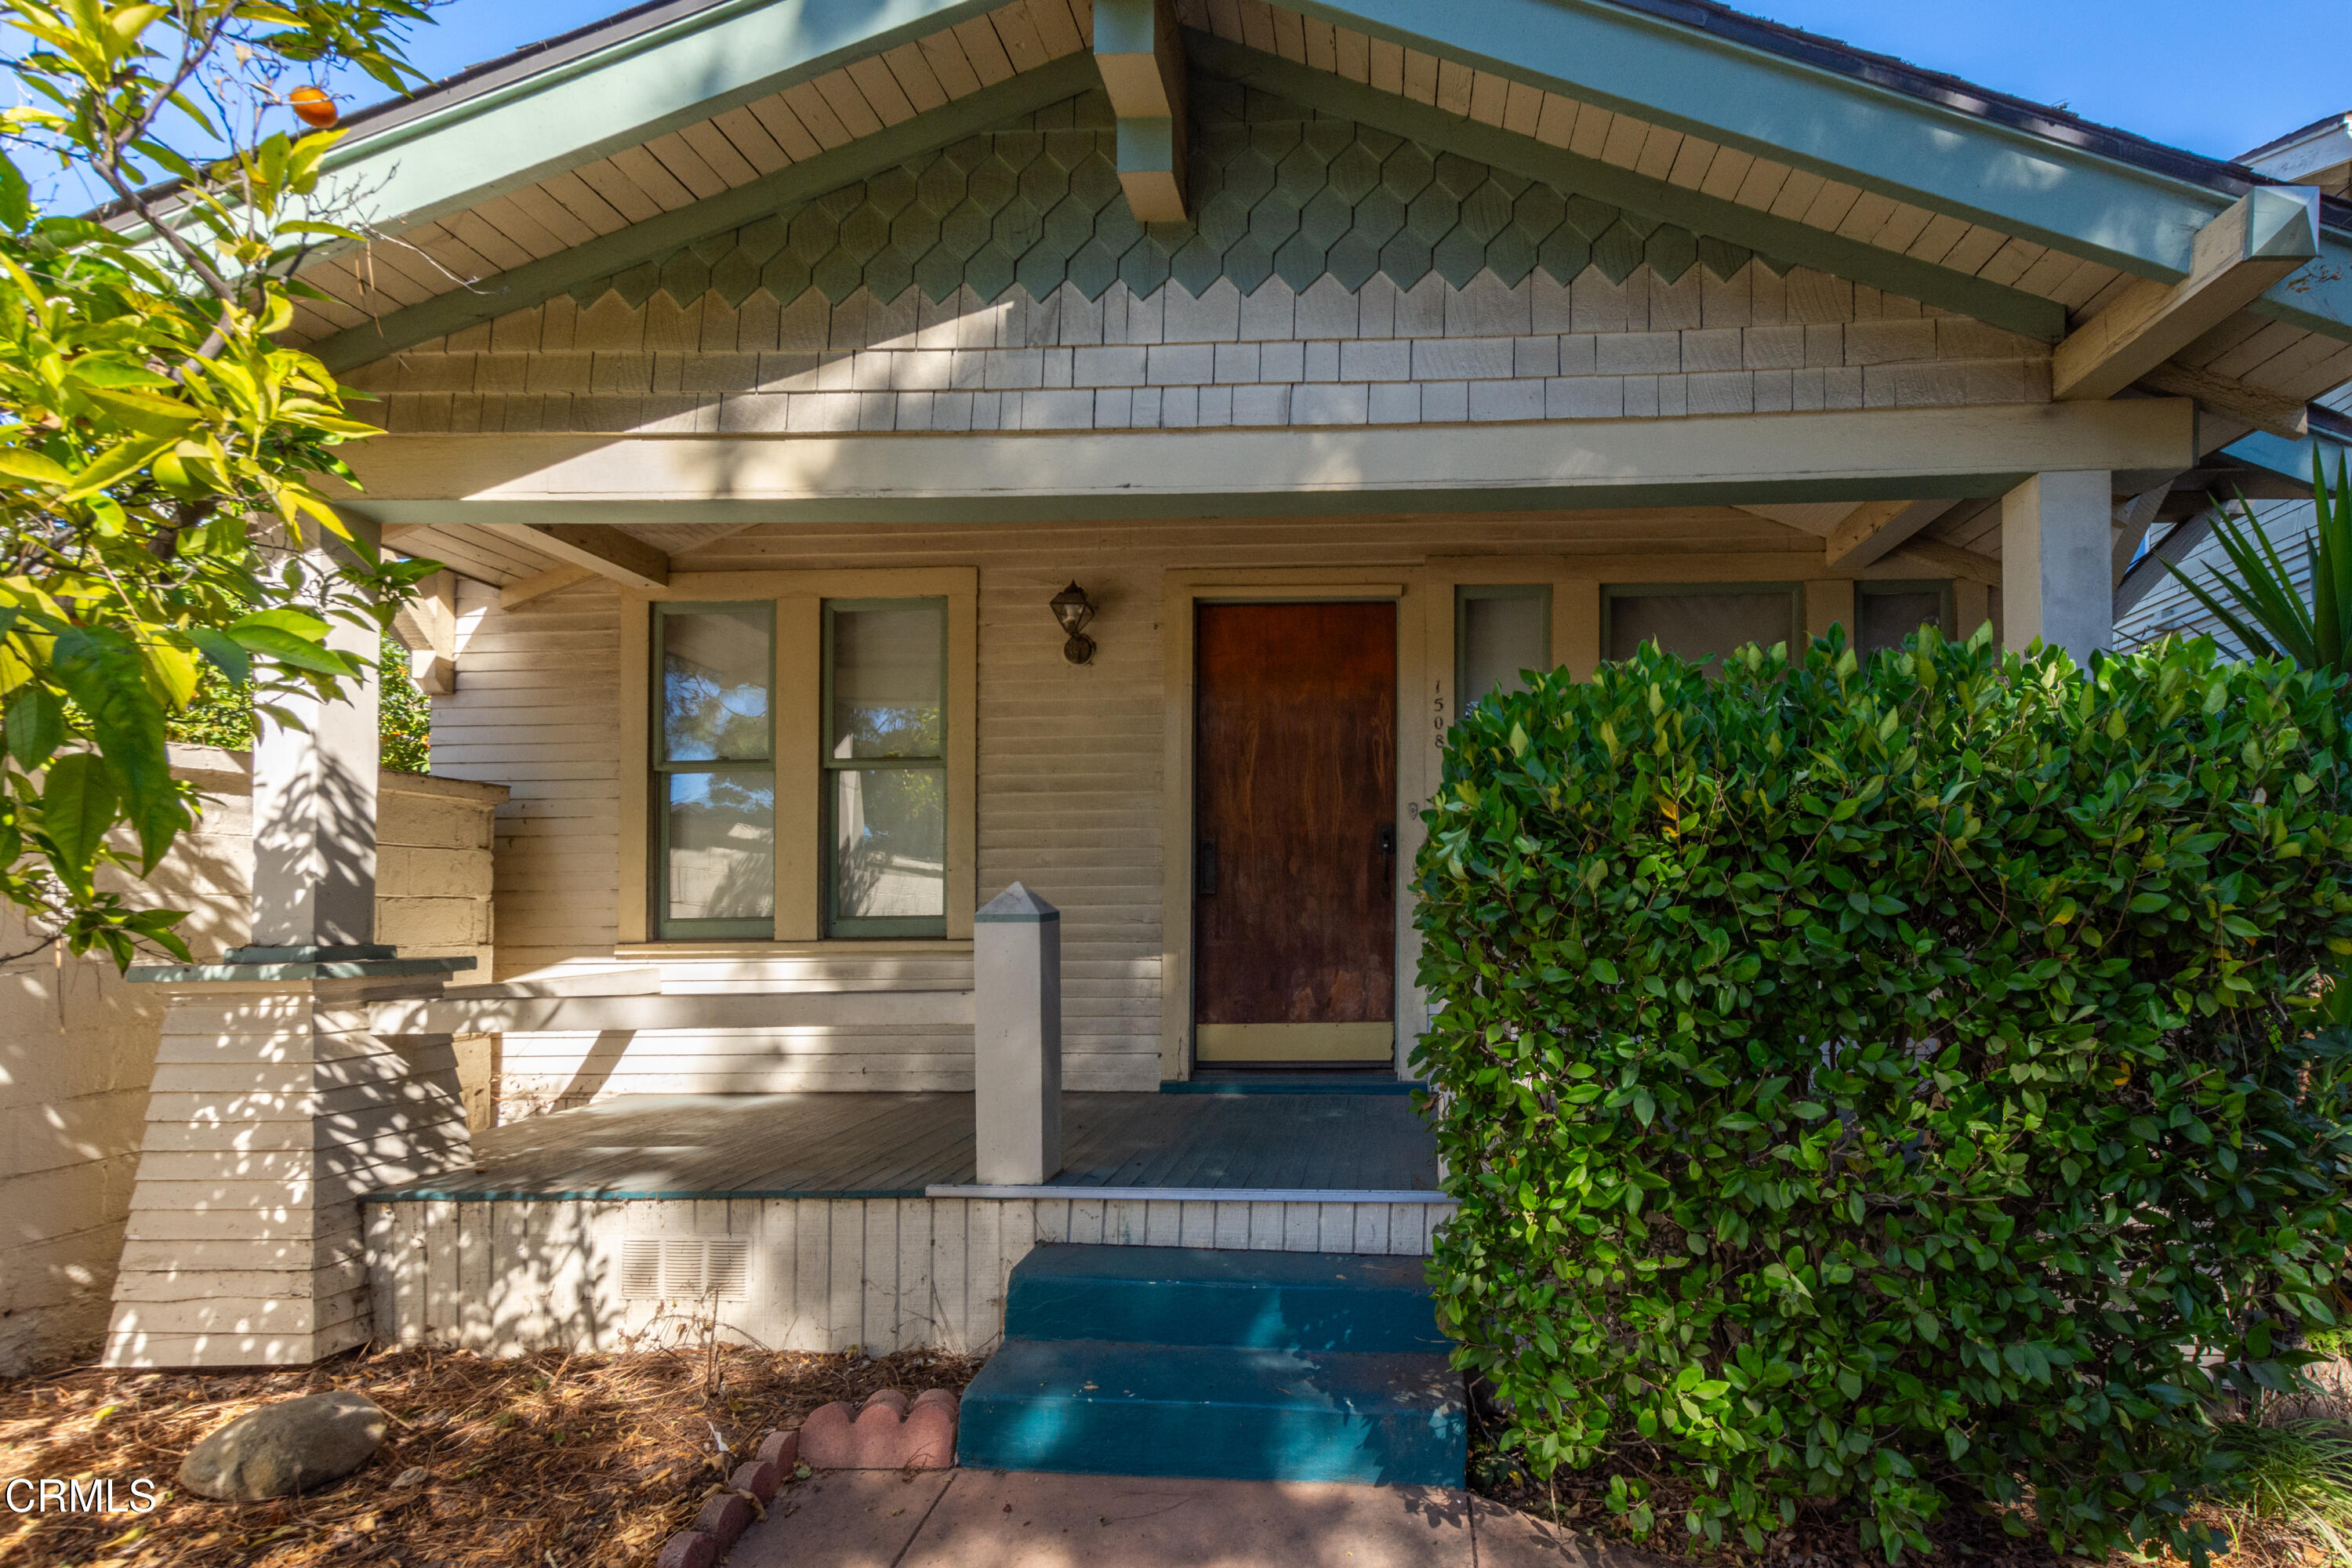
{"points": [[880, 1274]]}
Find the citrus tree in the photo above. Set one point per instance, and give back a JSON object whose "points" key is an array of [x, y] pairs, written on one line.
{"points": [[159, 444]]}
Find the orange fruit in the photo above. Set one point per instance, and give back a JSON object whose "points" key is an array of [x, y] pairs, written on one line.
{"points": [[313, 104]]}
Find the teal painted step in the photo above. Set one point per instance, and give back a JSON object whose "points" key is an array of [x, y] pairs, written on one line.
{"points": [[1222, 1412], [1193, 1296]]}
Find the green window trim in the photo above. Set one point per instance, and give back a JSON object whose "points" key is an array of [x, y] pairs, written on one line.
{"points": [[1948, 613], [873, 927], [1465, 594], [665, 927], [1611, 592]]}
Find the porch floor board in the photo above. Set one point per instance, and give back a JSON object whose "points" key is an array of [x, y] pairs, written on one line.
{"points": [[897, 1145]]}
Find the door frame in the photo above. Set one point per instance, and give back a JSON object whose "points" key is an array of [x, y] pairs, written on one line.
{"points": [[1184, 592]]}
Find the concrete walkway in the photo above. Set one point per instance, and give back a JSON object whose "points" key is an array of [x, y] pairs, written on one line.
{"points": [[1000, 1518]]}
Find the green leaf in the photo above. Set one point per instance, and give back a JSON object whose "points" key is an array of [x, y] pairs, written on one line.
{"points": [[16, 195], [36, 726], [100, 670], [223, 653], [79, 806]]}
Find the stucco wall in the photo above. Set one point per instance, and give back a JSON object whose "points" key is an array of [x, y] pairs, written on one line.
{"points": [[78, 1042]]}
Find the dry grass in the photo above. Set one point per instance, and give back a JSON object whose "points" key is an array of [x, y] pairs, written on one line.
{"points": [[548, 1460]]}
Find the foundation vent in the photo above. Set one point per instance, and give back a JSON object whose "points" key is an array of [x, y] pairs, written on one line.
{"points": [[685, 1267]]}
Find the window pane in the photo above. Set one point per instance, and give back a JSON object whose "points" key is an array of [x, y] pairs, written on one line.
{"points": [[886, 669], [889, 844], [1500, 637], [1888, 618], [722, 846], [716, 667], [1702, 627]]}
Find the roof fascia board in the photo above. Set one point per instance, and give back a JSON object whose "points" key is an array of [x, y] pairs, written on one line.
{"points": [[649, 84], [1784, 239], [2079, 201], [781, 192]]}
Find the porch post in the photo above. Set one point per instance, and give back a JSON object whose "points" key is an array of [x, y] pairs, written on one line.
{"points": [[1016, 962], [2055, 580], [274, 1105]]}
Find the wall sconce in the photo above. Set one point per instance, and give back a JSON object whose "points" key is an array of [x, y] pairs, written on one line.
{"points": [[1073, 610]]}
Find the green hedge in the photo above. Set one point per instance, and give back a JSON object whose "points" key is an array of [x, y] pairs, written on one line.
{"points": [[1887, 1085]]}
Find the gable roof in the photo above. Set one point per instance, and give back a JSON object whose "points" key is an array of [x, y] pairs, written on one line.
{"points": [[612, 147]]}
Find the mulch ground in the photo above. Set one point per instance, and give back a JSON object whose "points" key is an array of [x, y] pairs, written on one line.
{"points": [[542, 1461]]}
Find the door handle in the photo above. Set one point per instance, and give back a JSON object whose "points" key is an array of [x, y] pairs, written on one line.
{"points": [[1387, 841], [1205, 868]]}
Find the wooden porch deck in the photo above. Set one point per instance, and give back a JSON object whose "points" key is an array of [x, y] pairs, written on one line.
{"points": [[845, 1146]]}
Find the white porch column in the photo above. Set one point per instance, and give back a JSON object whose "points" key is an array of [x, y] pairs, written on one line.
{"points": [[314, 812], [1016, 962], [273, 1106], [2055, 582]]}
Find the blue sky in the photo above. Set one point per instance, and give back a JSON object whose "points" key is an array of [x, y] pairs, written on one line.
{"points": [[2217, 77]]}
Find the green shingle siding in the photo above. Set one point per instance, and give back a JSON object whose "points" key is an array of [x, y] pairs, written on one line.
{"points": [[1277, 192]]}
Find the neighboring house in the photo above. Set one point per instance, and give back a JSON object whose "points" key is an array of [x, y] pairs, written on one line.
{"points": [[2271, 475], [891, 454]]}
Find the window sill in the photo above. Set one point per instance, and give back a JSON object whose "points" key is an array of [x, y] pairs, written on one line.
{"points": [[829, 947]]}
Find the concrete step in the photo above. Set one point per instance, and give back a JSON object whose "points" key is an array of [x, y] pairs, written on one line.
{"points": [[1102, 1407], [1195, 1296]]}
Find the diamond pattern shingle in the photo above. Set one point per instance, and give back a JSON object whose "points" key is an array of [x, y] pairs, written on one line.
{"points": [[1277, 191]]}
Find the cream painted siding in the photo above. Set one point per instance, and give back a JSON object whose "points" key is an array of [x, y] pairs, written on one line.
{"points": [[1070, 777], [535, 709]]}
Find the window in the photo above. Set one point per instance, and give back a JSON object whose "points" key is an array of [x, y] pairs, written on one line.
{"points": [[1499, 632], [715, 770], [1887, 613], [884, 755], [1701, 621]]}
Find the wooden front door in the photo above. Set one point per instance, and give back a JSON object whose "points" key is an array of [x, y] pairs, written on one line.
{"points": [[1294, 893]]}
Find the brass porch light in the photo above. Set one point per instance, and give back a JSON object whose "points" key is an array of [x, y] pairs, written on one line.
{"points": [[1073, 610]]}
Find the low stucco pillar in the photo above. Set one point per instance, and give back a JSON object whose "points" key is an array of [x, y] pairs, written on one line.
{"points": [[1016, 962], [2055, 580]]}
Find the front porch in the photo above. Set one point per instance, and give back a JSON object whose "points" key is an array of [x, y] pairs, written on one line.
{"points": [[828, 1220]]}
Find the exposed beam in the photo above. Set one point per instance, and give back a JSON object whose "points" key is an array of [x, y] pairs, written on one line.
{"points": [[781, 195], [1873, 527], [1140, 48], [2266, 234], [427, 627], [523, 590], [2281, 416], [1949, 561], [1819, 519], [1784, 239], [2133, 520], [1852, 455], [599, 548]]}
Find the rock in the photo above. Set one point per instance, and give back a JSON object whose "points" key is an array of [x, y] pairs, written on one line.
{"points": [[294, 1446]]}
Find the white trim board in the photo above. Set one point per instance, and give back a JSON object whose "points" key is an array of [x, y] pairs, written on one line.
{"points": [[1195, 1194]]}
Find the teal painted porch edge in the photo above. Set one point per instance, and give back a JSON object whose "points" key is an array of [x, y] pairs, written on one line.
{"points": [[2079, 201], [2012, 310], [788, 188], [643, 86]]}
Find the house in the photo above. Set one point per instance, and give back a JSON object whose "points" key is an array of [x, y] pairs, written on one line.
{"points": [[895, 459]]}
